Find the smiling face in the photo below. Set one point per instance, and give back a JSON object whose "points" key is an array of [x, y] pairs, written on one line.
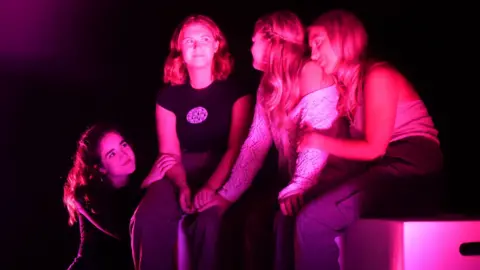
{"points": [[322, 51], [117, 157], [198, 46]]}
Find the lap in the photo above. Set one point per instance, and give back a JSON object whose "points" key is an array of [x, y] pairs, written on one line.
{"points": [[159, 202]]}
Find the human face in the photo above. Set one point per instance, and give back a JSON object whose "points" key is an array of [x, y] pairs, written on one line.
{"points": [[117, 157], [322, 51], [198, 46], [258, 50]]}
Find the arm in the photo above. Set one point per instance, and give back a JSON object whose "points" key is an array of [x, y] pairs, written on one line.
{"points": [[319, 110], [251, 157], [169, 144], [241, 119], [103, 225], [381, 97]]}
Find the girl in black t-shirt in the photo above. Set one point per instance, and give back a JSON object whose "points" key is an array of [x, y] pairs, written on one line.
{"points": [[202, 120]]}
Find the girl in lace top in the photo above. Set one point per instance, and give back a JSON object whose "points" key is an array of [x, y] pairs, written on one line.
{"points": [[293, 92]]}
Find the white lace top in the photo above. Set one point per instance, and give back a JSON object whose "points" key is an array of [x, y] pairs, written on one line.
{"points": [[318, 109]]}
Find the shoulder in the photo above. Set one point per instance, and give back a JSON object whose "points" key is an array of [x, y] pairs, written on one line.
{"points": [[311, 68], [170, 90], [313, 78], [168, 96], [234, 88], [382, 71]]}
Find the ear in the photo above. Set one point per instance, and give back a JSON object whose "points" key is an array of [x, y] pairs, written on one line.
{"points": [[215, 46]]}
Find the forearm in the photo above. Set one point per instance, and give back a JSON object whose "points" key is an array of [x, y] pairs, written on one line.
{"points": [[177, 175], [348, 149], [223, 169], [246, 167], [309, 164], [251, 157]]}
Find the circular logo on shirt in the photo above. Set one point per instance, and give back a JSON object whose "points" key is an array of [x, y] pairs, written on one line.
{"points": [[197, 115]]}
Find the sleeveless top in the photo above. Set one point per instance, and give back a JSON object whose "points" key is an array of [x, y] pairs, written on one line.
{"points": [[412, 119]]}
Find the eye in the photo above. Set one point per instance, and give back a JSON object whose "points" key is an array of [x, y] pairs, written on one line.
{"points": [[187, 41], [206, 39], [111, 155], [124, 144]]}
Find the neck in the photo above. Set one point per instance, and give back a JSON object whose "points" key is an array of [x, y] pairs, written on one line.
{"points": [[200, 77], [119, 181]]}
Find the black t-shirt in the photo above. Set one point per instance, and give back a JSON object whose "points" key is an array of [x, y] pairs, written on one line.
{"points": [[203, 117], [111, 209]]}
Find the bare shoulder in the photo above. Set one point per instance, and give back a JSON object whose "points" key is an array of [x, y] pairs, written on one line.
{"points": [[386, 75], [383, 70], [313, 78]]}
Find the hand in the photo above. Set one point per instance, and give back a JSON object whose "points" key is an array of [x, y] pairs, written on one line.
{"points": [[217, 201], [185, 200], [291, 203], [204, 196], [160, 167]]}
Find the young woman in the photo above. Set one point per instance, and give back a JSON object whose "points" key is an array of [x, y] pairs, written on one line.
{"points": [[390, 127], [294, 92], [202, 120], [100, 196]]}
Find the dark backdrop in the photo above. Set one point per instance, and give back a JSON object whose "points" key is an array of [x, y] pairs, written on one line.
{"points": [[67, 64]]}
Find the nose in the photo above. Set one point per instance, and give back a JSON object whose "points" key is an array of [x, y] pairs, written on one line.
{"points": [[314, 53]]}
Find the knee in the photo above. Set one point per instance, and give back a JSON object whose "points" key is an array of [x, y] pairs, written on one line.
{"points": [[159, 205]]}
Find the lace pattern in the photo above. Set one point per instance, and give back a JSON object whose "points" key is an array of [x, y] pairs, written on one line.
{"points": [[252, 154]]}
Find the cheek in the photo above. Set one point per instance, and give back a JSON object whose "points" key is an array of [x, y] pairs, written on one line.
{"points": [[257, 53], [186, 52]]}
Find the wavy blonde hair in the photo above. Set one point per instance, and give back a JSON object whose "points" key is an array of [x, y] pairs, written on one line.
{"points": [[175, 70], [284, 59], [348, 39]]}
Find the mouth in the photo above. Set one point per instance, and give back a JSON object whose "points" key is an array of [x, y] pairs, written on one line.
{"points": [[127, 162]]}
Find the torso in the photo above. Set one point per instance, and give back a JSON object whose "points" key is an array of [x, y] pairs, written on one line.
{"points": [[203, 117], [412, 118]]}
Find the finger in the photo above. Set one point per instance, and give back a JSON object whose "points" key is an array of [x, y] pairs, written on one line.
{"points": [[164, 158], [164, 167], [289, 206], [283, 208], [295, 205], [196, 201], [166, 162], [207, 205]]}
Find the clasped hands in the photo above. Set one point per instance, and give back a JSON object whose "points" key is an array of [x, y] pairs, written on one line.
{"points": [[204, 199]]}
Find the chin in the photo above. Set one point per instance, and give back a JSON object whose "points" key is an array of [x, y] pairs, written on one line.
{"points": [[258, 67]]}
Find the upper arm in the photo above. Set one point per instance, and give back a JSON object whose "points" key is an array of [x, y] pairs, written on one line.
{"points": [[99, 224], [241, 120], [167, 131], [313, 78], [381, 91]]}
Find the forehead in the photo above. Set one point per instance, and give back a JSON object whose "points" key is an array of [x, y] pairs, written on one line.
{"points": [[316, 31], [110, 141], [196, 29]]}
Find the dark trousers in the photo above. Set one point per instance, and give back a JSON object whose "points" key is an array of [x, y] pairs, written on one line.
{"points": [[394, 185], [154, 231], [154, 225]]}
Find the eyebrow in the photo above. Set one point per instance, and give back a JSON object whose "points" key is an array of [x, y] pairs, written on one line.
{"points": [[111, 150]]}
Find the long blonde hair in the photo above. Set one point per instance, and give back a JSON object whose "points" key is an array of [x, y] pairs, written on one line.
{"points": [[285, 56], [348, 39], [175, 70]]}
